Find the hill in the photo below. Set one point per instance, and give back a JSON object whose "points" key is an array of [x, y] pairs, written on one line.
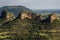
{"points": [[15, 9]]}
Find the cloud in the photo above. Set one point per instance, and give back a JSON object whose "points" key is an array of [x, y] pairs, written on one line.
{"points": [[13, 2]]}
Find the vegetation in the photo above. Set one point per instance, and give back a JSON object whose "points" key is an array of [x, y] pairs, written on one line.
{"points": [[28, 29]]}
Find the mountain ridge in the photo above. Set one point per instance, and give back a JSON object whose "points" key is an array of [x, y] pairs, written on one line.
{"points": [[47, 11], [15, 9]]}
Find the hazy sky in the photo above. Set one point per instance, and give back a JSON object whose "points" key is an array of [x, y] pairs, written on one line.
{"points": [[33, 4]]}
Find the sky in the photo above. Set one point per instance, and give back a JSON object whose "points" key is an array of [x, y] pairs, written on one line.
{"points": [[32, 4]]}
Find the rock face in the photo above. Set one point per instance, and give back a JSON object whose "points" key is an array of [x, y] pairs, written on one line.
{"points": [[52, 17], [26, 15], [30, 16], [7, 15]]}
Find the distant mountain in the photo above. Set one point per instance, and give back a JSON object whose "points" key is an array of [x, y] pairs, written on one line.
{"points": [[47, 11], [15, 9]]}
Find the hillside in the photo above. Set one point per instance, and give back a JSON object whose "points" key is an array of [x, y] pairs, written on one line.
{"points": [[35, 28], [15, 9]]}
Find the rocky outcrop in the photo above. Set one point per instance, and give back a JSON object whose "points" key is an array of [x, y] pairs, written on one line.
{"points": [[7, 15], [50, 18]]}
